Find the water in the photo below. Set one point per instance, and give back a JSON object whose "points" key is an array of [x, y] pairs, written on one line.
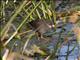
{"points": [[72, 56]]}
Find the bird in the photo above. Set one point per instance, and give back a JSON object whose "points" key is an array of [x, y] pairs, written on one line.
{"points": [[40, 26]]}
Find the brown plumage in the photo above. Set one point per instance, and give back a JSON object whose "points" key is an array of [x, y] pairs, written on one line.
{"points": [[40, 26]]}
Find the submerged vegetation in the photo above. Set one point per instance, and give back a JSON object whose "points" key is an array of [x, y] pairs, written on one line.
{"points": [[37, 30]]}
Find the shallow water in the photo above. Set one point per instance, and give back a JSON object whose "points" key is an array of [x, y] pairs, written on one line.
{"points": [[72, 56]]}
